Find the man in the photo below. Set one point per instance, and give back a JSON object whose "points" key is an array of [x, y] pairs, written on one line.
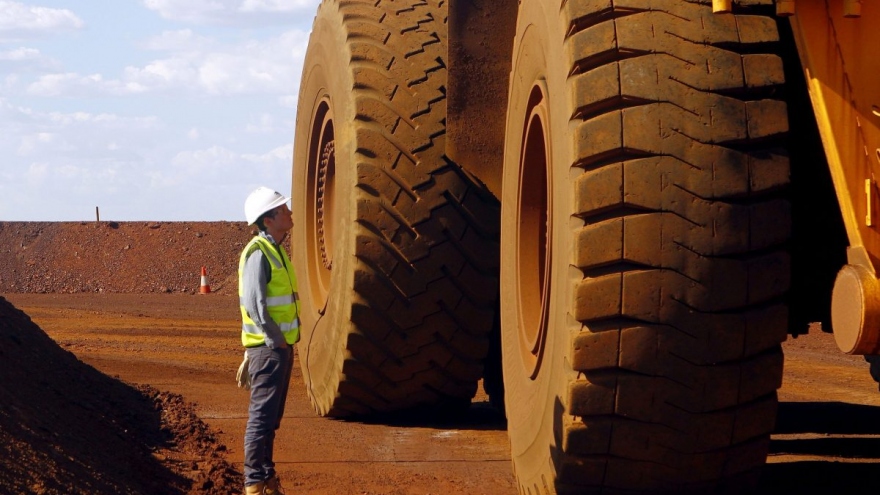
{"points": [[270, 327]]}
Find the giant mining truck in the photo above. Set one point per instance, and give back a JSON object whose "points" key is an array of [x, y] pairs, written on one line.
{"points": [[612, 212]]}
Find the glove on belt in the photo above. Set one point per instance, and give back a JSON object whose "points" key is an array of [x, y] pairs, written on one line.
{"points": [[243, 376]]}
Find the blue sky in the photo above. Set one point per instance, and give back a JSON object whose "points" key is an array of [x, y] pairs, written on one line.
{"points": [[147, 109]]}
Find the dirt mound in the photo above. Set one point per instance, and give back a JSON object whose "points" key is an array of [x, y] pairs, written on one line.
{"points": [[66, 428], [119, 257]]}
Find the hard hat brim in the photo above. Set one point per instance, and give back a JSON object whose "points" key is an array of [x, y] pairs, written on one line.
{"points": [[274, 204]]}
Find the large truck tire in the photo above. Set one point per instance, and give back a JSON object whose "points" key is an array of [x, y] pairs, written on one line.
{"points": [[395, 246], [643, 246]]}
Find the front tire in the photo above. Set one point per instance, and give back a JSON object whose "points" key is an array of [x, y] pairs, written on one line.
{"points": [[643, 247]]}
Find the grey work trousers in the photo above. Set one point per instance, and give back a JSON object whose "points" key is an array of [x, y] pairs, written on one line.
{"points": [[270, 378]]}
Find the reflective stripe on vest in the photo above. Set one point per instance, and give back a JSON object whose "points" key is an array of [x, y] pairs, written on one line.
{"points": [[281, 301]]}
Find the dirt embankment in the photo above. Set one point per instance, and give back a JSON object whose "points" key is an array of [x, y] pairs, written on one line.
{"points": [[118, 257], [66, 428]]}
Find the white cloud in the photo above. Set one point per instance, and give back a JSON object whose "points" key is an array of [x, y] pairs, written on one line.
{"points": [[18, 21], [288, 101], [275, 5], [9, 82], [263, 123], [269, 66], [233, 12], [282, 154], [24, 60], [20, 54], [36, 173], [61, 138], [80, 178], [73, 84], [203, 66], [192, 10], [11, 113], [197, 160], [179, 40], [160, 75], [106, 120], [219, 165], [214, 165], [32, 142]]}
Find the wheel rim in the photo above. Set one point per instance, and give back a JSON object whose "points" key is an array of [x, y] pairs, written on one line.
{"points": [[321, 202], [533, 237]]}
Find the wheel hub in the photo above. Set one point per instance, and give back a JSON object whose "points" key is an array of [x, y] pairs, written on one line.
{"points": [[533, 239], [321, 202]]}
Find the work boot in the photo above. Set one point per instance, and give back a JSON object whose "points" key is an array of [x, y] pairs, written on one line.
{"points": [[255, 489], [273, 486]]}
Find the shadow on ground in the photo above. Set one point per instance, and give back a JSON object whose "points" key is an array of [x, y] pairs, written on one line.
{"points": [[473, 416], [848, 435]]}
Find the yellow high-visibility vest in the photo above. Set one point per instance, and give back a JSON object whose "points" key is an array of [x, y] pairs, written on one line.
{"points": [[281, 300]]}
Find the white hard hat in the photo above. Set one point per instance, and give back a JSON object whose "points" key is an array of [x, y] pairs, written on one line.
{"points": [[261, 200]]}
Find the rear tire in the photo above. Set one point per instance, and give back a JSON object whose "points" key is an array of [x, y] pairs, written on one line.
{"points": [[393, 243], [643, 247]]}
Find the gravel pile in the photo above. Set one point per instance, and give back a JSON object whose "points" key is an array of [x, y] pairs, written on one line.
{"points": [[119, 257]]}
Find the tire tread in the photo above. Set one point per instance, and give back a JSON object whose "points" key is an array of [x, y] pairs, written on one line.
{"points": [[420, 333], [681, 193]]}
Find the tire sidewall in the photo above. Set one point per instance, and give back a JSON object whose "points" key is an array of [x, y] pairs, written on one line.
{"points": [[326, 77], [535, 408]]}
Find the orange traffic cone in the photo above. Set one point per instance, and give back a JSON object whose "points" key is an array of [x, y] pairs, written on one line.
{"points": [[204, 288]]}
